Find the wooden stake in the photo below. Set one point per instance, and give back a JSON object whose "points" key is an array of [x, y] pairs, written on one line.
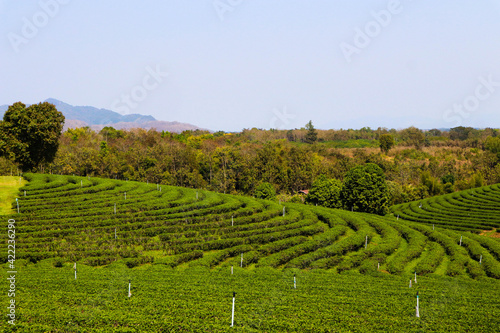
{"points": [[129, 293], [241, 264]]}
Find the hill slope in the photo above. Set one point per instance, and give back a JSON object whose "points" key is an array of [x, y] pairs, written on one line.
{"points": [[81, 116], [472, 210], [74, 219]]}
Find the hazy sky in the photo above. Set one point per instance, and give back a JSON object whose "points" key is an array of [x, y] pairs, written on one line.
{"points": [[234, 64]]}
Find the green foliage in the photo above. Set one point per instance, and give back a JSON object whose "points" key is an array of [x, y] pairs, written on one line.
{"points": [[386, 142], [365, 190], [448, 179], [30, 135], [111, 133], [265, 191], [472, 210], [325, 192], [312, 134], [431, 184], [414, 137]]}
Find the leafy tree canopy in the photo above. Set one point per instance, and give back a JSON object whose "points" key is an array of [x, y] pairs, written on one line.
{"points": [[365, 189], [30, 135], [265, 191], [386, 142], [325, 192]]}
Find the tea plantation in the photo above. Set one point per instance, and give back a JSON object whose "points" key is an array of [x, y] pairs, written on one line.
{"points": [[185, 252]]}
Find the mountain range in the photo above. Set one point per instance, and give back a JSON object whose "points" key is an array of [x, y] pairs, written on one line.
{"points": [[96, 119]]}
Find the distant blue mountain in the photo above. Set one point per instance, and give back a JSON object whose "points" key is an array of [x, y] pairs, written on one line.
{"points": [[80, 116], [91, 115]]}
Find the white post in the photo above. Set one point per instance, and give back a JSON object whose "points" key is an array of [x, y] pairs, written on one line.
{"points": [[366, 241], [418, 313], [232, 221], [294, 282], [17, 202], [378, 266], [232, 312], [481, 259], [460, 240], [160, 188], [410, 283], [129, 293], [115, 209], [125, 195], [241, 264], [415, 277], [398, 218], [24, 192], [283, 210], [231, 269], [75, 269]]}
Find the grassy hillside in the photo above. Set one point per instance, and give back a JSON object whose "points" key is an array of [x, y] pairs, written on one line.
{"points": [[74, 219], [472, 210], [9, 187], [177, 246]]}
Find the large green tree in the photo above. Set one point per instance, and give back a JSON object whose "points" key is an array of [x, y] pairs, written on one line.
{"points": [[325, 192], [312, 134], [386, 142], [30, 135], [365, 189]]}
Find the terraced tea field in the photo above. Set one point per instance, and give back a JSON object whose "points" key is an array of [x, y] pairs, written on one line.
{"points": [[179, 247], [472, 210]]}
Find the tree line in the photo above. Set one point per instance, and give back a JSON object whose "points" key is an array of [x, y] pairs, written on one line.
{"points": [[415, 163]]}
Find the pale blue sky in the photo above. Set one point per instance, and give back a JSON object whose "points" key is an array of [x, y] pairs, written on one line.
{"points": [[235, 64]]}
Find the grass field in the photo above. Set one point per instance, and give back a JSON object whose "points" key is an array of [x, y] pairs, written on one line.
{"points": [[9, 187]]}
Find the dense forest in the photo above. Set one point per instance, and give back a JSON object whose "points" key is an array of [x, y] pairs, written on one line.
{"points": [[416, 163]]}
